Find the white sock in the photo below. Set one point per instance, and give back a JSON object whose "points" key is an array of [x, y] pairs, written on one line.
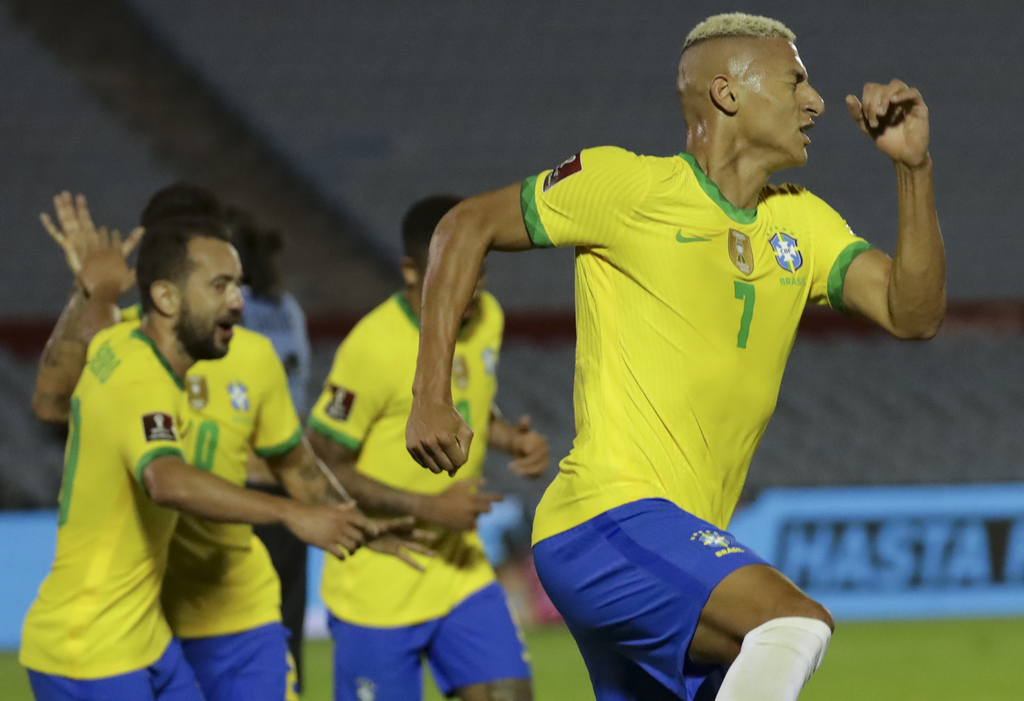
{"points": [[776, 660]]}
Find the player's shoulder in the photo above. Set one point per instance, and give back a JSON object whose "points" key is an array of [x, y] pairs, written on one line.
{"points": [[382, 327], [493, 316], [249, 345], [121, 358]]}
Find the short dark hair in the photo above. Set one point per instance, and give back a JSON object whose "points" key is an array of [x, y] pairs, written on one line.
{"points": [[163, 252], [258, 249], [419, 223], [181, 200]]}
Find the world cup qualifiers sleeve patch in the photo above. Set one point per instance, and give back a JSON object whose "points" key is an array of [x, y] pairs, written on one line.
{"points": [[159, 427], [341, 402], [568, 167]]}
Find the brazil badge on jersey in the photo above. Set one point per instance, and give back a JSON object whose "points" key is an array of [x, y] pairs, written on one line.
{"points": [[687, 308]]}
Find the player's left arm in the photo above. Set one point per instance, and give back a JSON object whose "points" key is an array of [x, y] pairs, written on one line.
{"points": [[905, 295], [306, 478], [529, 449]]}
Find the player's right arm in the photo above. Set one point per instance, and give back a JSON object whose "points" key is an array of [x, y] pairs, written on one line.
{"points": [[97, 258], [580, 203], [171, 482]]}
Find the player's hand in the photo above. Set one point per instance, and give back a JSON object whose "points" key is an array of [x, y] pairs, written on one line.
{"points": [[529, 450], [458, 506], [339, 530], [436, 436], [403, 543], [896, 118], [78, 236]]}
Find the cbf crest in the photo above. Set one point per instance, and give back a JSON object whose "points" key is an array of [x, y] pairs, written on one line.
{"points": [[787, 255], [198, 395], [239, 396], [741, 253], [721, 542]]}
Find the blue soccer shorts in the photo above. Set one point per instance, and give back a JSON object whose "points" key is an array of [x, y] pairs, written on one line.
{"points": [[168, 679], [477, 642], [631, 584], [254, 665]]}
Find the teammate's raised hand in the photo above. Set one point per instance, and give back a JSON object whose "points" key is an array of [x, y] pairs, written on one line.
{"points": [[896, 118], [436, 436], [459, 506]]}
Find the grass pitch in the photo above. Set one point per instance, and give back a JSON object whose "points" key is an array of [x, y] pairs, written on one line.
{"points": [[977, 660]]}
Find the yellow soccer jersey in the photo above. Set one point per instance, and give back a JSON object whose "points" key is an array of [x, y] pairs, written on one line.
{"points": [[686, 310], [220, 579], [365, 405], [98, 610]]}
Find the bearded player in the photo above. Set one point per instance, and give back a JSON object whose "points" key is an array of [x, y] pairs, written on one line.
{"points": [[691, 277], [220, 595]]}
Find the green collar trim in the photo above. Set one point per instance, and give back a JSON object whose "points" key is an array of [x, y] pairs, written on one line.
{"points": [[737, 214], [403, 303], [136, 333]]}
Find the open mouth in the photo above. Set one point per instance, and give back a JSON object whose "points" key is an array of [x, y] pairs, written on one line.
{"points": [[225, 330], [806, 128]]}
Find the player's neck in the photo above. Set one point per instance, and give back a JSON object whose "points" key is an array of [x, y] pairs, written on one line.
{"points": [[161, 332], [414, 296], [739, 173]]}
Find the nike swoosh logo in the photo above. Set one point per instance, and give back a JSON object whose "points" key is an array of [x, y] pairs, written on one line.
{"points": [[687, 239]]}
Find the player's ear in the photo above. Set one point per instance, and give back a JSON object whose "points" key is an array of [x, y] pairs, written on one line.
{"points": [[166, 297], [722, 95], [410, 272]]}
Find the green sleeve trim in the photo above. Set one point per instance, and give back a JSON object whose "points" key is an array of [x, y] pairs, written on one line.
{"points": [[153, 455], [276, 451], [334, 434], [159, 356], [837, 277], [531, 217]]}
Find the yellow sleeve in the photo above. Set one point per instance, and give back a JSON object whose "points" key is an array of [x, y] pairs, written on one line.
{"points": [[355, 392], [585, 201], [278, 428], [835, 247], [147, 417]]}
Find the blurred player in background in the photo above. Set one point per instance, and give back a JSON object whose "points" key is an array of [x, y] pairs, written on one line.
{"points": [[386, 618], [96, 629], [221, 595], [273, 312], [691, 277]]}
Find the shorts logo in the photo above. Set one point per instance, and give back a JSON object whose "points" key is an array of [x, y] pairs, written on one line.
{"points": [[197, 392], [341, 402], [741, 253], [715, 539], [567, 168], [460, 372], [366, 690], [787, 255], [239, 396], [158, 426]]}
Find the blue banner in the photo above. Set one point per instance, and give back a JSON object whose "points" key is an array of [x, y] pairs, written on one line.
{"points": [[896, 552]]}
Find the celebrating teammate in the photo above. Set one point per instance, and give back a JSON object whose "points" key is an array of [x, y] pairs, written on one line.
{"points": [[387, 617], [691, 277], [98, 618]]}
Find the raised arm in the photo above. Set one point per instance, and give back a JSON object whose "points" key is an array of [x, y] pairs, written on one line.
{"points": [[907, 294], [436, 435], [97, 258]]}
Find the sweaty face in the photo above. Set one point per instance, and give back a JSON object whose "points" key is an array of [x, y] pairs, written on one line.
{"points": [[777, 104], [212, 302]]}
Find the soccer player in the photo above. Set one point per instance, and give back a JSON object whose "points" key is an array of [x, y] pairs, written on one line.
{"points": [[385, 619], [221, 595], [691, 277]]}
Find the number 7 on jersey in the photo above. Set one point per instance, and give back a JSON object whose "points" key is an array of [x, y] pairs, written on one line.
{"points": [[744, 291]]}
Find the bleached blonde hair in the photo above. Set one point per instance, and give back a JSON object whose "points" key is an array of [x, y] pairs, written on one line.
{"points": [[738, 24]]}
